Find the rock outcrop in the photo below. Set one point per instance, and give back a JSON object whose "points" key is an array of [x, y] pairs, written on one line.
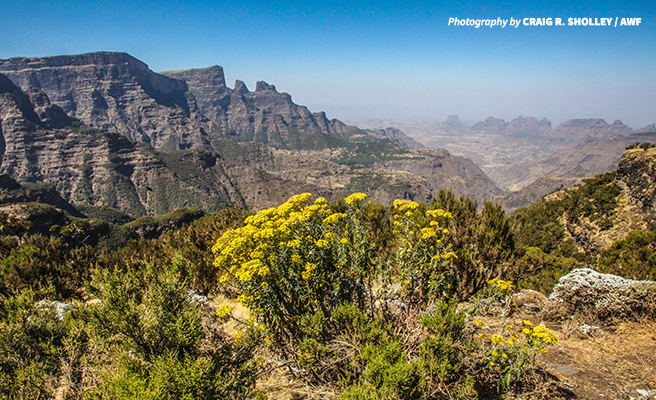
{"points": [[527, 126], [263, 116], [490, 125], [115, 92], [576, 130], [601, 297], [636, 175]]}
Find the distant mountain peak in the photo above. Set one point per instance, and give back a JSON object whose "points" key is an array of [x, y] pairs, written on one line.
{"points": [[263, 87]]}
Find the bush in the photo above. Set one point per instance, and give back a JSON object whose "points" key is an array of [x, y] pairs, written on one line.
{"points": [[482, 241], [40, 262], [32, 346], [633, 257], [159, 341], [423, 261], [297, 260]]}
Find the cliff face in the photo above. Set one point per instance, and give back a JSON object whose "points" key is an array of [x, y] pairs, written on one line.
{"points": [[263, 116], [108, 132], [636, 175], [95, 168], [115, 92]]}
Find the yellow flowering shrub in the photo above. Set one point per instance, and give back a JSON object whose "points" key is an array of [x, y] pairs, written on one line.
{"points": [[295, 259], [507, 356], [424, 261]]}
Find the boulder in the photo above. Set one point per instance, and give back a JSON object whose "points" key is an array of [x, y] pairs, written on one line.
{"points": [[602, 297]]}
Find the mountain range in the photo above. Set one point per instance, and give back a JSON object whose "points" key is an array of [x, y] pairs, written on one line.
{"points": [[519, 153], [105, 131]]}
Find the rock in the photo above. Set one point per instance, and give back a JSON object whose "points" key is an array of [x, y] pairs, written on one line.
{"points": [[636, 174], [59, 307], [566, 370], [490, 125], [576, 130], [263, 116], [601, 297], [453, 122], [647, 129], [117, 93]]}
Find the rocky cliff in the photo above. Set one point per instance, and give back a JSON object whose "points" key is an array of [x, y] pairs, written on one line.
{"points": [[636, 175], [264, 115], [108, 132], [115, 92], [95, 168]]}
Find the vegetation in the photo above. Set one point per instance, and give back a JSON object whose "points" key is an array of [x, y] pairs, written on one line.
{"points": [[351, 295]]}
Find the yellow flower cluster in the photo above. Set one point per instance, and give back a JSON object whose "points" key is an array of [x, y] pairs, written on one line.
{"points": [[506, 287], [287, 252], [223, 310], [439, 213], [355, 198], [541, 334], [334, 218], [520, 349], [309, 270], [405, 206]]}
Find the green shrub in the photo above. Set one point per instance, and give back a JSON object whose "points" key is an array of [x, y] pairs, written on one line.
{"points": [[296, 260], [32, 347], [540, 271], [483, 241], [159, 341], [633, 257], [40, 262]]}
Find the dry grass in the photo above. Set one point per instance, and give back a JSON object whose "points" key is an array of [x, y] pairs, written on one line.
{"points": [[239, 312], [611, 362]]}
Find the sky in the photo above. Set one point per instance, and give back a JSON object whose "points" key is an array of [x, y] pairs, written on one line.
{"points": [[359, 60]]}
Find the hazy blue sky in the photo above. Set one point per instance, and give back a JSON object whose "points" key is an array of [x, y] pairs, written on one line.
{"points": [[367, 59]]}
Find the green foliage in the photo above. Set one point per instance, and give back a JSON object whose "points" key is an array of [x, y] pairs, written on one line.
{"points": [[193, 241], [164, 345], [540, 271], [639, 145], [539, 225], [367, 153], [483, 242], [31, 346], [39, 262], [502, 359], [371, 360], [633, 257]]}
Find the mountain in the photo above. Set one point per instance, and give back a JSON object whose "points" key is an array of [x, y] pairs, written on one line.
{"points": [[264, 115], [107, 132], [519, 153], [115, 92], [597, 213], [397, 136], [576, 130], [577, 161]]}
